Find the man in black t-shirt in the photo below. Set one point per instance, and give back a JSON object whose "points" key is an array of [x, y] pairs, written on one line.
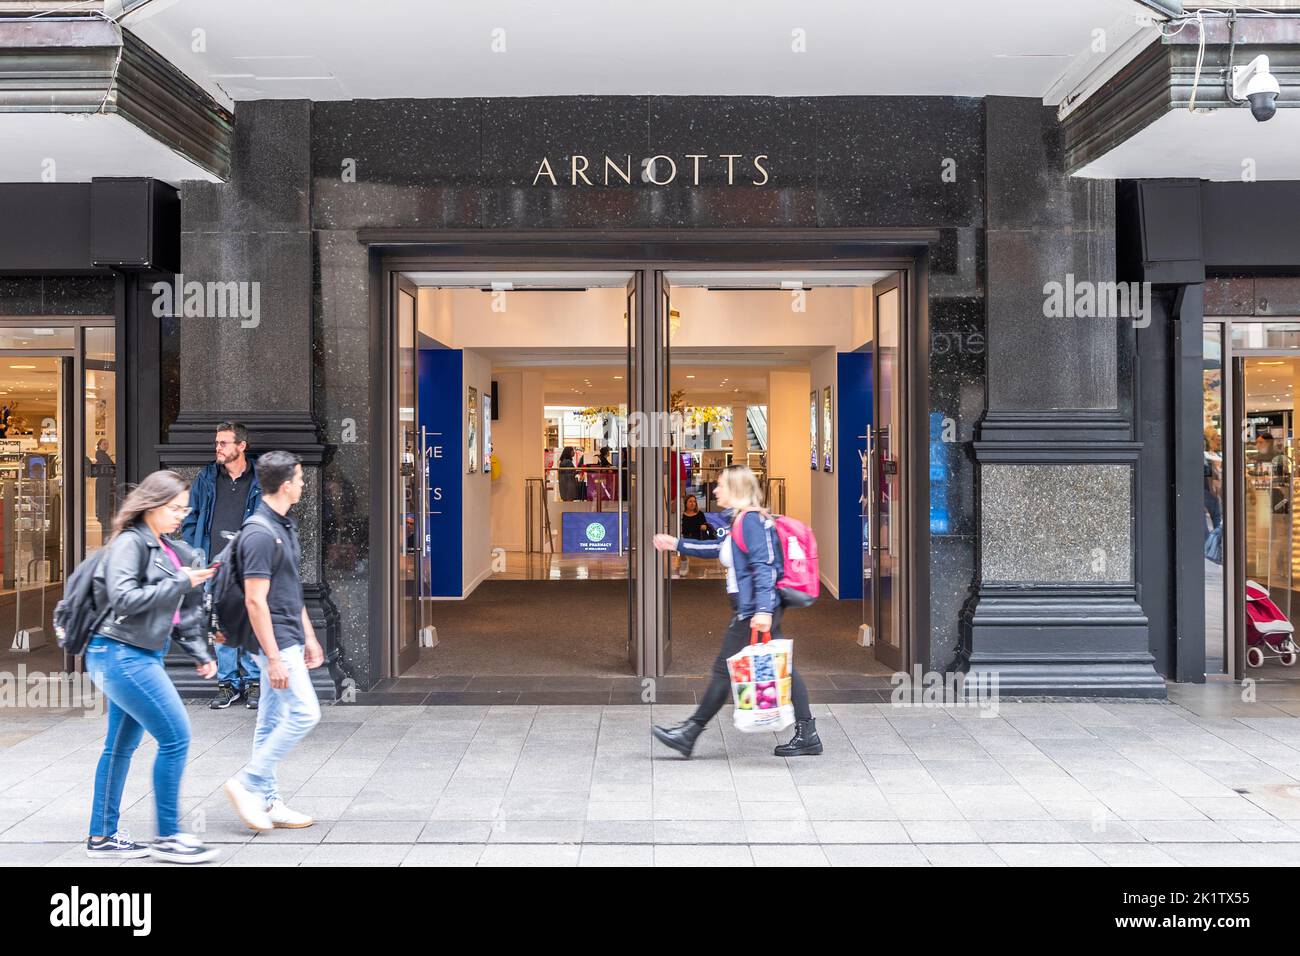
{"points": [[268, 559]]}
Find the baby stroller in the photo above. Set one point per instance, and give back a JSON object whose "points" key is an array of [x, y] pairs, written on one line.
{"points": [[1268, 633]]}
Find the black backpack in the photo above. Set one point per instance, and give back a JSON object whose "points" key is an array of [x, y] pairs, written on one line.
{"points": [[226, 596], [75, 616]]}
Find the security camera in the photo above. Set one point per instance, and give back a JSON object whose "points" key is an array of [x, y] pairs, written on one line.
{"points": [[1254, 83]]}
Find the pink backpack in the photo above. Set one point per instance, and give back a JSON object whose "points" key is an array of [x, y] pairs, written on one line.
{"points": [[800, 580]]}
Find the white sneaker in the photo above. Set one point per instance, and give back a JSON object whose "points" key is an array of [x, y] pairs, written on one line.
{"points": [[283, 816], [250, 807]]}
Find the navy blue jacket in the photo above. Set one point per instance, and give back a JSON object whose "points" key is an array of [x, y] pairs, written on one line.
{"points": [[197, 527], [757, 569]]}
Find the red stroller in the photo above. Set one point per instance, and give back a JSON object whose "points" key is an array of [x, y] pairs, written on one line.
{"points": [[1268, 633]]}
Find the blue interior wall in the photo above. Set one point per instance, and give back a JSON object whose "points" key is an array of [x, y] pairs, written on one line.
{"points": [[853, 374], [441, 383]]}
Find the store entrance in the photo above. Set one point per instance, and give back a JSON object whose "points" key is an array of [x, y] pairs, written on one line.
{"points": [[1252, 523], [58, 474], [1269, 548], [547, 424]]}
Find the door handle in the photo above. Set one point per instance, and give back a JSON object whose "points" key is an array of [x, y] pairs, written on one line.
{"points": [[869, 488]]}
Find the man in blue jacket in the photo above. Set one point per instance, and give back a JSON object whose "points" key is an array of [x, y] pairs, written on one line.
{"points": [[223, 494]]}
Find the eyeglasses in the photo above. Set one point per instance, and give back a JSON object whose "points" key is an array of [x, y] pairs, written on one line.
{"points": [[182, 511], [223, 444]]}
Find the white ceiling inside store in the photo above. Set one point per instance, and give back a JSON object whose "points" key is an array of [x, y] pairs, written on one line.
{"points": [[349, 49]]}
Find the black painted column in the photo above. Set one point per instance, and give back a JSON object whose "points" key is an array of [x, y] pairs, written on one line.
{"points": [[251, 238], [1056, 610]]}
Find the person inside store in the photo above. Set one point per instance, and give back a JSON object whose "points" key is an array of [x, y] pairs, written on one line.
{"points": [[567, 472], [752, 573], [694, 524], [600, 479], [104, 471], [1272, 461]]}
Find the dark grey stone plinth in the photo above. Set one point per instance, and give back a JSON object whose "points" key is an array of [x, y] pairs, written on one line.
{"points": [[1070, 642]]}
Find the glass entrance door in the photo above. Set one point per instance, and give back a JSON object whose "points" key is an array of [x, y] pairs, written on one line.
{"points": [[1269, 553], [412, 529], [59, 480], [883, 481]]}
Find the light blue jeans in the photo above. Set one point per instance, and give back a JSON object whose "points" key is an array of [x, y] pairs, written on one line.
{"points": [[284, 717], [141, 697]]}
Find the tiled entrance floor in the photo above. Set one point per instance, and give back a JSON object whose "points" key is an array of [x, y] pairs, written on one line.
{"points": [[1204, 779]]}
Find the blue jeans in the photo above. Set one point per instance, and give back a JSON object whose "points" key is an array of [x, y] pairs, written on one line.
{"points": [[141, 697], [284, 717], [229, 660]]}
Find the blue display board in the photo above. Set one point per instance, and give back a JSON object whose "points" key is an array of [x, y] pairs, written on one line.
{"points": [[854, 397], [586, 532], [441, 375]]}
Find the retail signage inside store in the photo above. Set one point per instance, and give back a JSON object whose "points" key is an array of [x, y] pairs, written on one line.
{"points": [[660, 170]]}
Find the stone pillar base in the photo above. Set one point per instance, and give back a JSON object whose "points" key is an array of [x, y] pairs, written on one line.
{"points": [[1060, 642]]}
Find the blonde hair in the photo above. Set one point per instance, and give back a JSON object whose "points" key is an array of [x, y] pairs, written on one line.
{"points": [[742, 487]]}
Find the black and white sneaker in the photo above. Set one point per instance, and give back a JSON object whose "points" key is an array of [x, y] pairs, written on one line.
{"points": [[119, 846], [227, 694], [182, 848]]}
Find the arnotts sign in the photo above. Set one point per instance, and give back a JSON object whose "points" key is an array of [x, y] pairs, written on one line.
{"points": [[660, 170]]}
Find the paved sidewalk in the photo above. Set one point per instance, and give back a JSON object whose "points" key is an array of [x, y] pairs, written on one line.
{"points": [[1204, 780]]}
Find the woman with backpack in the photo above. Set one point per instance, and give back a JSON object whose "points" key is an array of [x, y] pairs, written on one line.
{"points": [[752, 572], [153, 596]]}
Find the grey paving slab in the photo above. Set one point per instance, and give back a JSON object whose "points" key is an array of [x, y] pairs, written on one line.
{"points": [[875, 855], [794, 855], [515, 854], [635, 854], [703, 856], [1046, 854], [960, 854], [451, 854]]}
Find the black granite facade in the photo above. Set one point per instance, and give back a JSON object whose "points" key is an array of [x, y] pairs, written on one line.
{"points": [[57, 295], [988, 175]]}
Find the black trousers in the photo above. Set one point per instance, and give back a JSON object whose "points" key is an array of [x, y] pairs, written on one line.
{"points": [[719, 689]]}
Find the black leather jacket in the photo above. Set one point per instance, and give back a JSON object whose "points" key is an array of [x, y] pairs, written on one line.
{"points": [[145, 590]]}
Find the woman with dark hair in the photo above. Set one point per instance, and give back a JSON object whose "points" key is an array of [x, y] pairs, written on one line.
{"points": [[600, 480], [153, 596], [567, 472], [694, 525]]}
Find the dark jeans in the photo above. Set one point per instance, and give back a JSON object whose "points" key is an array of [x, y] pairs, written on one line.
{"points": [[719, 690]]}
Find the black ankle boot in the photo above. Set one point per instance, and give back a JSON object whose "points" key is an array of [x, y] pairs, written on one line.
{"points": [[681, 738], [805, 741]]}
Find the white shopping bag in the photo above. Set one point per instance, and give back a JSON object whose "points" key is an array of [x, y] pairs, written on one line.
{"points": [[760, 684]]}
